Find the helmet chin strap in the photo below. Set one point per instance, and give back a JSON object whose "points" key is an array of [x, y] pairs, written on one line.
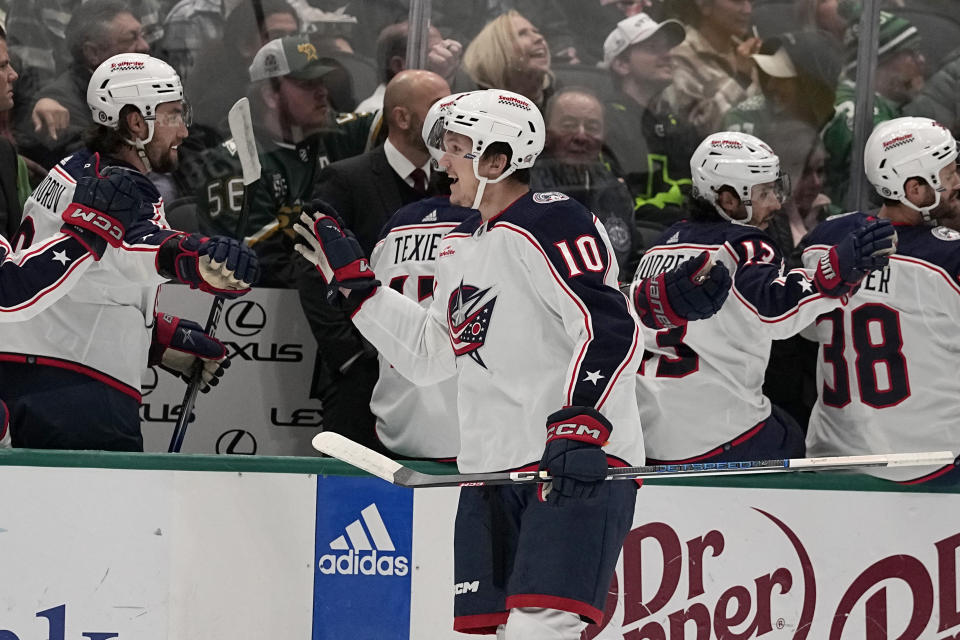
{"points": [[748, 205], [479, 196], [925, 212], [140, 146]]}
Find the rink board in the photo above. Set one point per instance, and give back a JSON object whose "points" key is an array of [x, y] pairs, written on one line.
{"points": [[293, 551]]}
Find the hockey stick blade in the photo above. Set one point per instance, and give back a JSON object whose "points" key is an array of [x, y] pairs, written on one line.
{"points": [[341, 448], [241, 128]]}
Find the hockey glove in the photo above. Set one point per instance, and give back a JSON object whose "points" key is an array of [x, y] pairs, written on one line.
{"points": [[336, 254], [694, 290], [103, 207], [218, 265], [177, 346], [573, 454], [843, 267]]}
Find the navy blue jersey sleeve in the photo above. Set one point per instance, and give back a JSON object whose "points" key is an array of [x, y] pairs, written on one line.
{"points": [[582, 268], [32, 280]]}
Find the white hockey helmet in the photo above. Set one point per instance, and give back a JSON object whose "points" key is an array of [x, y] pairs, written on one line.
{"points": [[905, 148], [739, 161], [135, 79], [486, 117]]}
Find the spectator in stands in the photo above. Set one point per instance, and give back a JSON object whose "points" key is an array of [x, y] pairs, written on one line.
{"points": [[573, 162], [227, 60], [651, 148], [940, 97], [823, 15], [899, 78], [510, 53], [366, 190], [798, 75], [297, 134], [187, 29], [102, 29], [714, 70], [443, 58], [14, 183], [37, 35]]}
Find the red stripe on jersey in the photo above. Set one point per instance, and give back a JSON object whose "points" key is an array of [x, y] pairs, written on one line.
{"points": [[39, 295], [555, 602], [484, 624], [76, 367], [927, 265], [63, 174]]}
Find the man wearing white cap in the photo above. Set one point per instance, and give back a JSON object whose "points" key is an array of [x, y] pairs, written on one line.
{"points": [[298, 134], [655, 164]]}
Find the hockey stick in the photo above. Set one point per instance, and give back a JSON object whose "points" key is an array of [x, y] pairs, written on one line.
{"points": [[339, 447], [241, 129]]}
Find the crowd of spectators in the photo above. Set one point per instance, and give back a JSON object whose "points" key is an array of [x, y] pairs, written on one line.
{"points": [[628, 89]]}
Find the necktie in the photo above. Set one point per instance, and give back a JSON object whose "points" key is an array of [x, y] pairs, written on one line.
{"points": [[419, 180]]}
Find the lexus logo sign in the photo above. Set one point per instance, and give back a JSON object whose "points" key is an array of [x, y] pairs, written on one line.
{"points": [[246, 318], [237, 442]]}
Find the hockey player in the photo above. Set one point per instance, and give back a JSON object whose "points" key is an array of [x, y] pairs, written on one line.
{"points": [[888, 359], [415, 421], [527, 315], [700, 387], [71, 376]]}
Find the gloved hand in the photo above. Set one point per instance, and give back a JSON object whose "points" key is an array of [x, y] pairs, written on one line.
{"points": [[694, 290], [336, 254], [219, 265], [103, 206], [843, 267], [177, 346], [574, 455]]}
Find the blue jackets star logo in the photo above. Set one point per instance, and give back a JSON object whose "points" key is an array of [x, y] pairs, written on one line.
{"points": [[468, 317]]}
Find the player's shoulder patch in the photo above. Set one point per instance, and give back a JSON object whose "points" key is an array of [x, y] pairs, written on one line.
{"points": [[343, 118], [230, 145], [546, 197], [945, 233]]}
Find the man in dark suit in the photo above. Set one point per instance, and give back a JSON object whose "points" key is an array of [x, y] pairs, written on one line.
{"points": [[10, 204], [366, 190]]}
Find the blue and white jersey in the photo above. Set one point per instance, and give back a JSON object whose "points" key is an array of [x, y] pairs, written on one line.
{"points": [[888, 360], [700, 385], [102, 326], [415, 421], [33, 279], [527, 315]]}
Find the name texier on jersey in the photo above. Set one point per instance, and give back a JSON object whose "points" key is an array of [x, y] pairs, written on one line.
{"points": [[102, 327], [412, 420], [700, 384], [887, 370], [527, 315]]}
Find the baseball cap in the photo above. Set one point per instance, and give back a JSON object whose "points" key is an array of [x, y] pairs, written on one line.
{"points": [[638, 28], [777, 64], [293, 56], [809, 53]]}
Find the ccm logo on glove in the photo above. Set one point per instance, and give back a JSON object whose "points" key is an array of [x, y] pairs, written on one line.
{"points": [[91, 218]]}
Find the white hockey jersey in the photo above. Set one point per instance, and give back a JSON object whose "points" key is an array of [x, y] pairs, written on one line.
{"points": [[888, 360], [415, 421], [526, 313], [700, 385], [102, 327]]}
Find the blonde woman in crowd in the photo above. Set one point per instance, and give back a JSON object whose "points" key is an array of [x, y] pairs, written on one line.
{"points": [[510, 53]]}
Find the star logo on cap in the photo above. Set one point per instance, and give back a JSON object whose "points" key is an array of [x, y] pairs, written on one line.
{"points": [[308, 50]]}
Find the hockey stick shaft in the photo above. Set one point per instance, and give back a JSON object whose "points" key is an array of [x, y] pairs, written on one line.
{"points": [[241, 128], [337, 446]]}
